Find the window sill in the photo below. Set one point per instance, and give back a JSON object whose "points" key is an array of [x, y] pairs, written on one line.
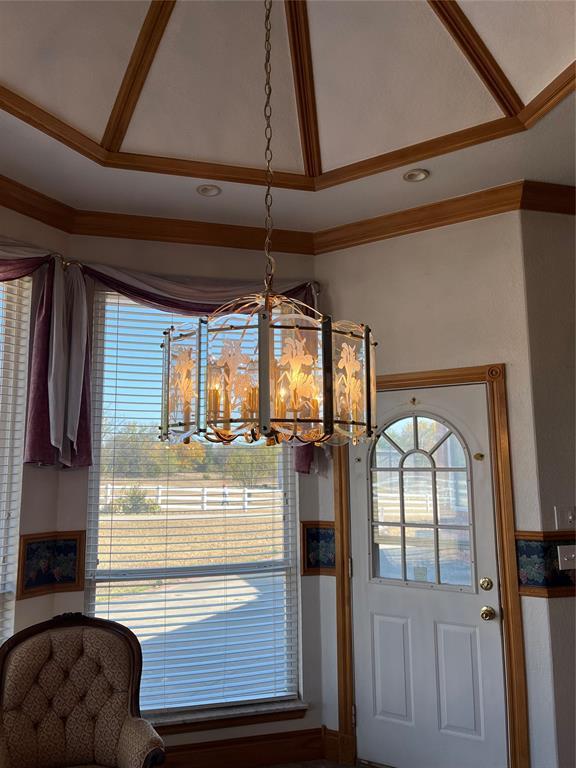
{"points": [[228, 717]]}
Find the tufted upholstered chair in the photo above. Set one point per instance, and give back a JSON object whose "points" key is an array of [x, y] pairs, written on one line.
{"points": [[70, 697]]}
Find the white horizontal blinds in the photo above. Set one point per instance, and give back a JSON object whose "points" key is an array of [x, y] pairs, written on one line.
{"points": [[192, 546], [14, 328]]}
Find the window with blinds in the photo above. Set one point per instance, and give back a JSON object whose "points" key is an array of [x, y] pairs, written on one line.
{"points": [[191, 546], [14, 328]]}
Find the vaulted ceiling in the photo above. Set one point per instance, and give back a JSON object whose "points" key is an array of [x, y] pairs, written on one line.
{"points": [[125, 106]]}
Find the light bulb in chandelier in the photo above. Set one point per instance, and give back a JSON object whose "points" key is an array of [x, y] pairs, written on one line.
{"points": [[267, 366]]}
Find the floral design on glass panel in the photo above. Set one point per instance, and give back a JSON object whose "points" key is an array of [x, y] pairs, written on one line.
{"points": [[421, 504]]}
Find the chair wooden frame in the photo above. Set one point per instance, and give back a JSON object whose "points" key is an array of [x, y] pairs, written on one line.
{"points": [[71, 620]]}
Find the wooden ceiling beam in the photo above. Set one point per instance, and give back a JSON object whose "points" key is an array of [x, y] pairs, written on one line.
{"points": [[136, 73], [451, 142], [536, 109], [475, 50], [301, 54], [520, 195], [213, 171], [37, 117]]}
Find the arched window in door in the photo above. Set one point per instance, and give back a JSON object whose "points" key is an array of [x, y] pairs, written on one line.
{"points": [[421, 504]]}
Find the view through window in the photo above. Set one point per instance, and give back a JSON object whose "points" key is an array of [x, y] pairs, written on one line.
{"points": [[191, 546], [421, 504]]}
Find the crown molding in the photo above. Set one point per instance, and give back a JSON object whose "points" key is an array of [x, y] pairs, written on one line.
{"points": [[520, 195], [550, 198], [301, 54], [451, 211], [145, 48], [34, 204], [527, 195], [475, 50], [549, 97], [131, 227], [29, 202]]}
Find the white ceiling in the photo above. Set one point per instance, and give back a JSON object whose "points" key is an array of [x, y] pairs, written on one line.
{"points": [[544, 153], [533, 41], [203, 97], [69, 57], [387, 74]]}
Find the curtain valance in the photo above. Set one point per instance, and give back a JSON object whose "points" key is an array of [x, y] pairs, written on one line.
{"points": [[185, 295], [58, 414], [12, 269]]}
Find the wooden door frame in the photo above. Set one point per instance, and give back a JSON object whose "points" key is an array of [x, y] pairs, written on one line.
{"points": [[494, 377]]}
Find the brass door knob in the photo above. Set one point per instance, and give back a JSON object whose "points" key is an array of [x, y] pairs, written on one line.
{"points": [[487, 613]]}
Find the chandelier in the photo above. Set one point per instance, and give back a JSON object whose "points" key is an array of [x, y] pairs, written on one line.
{"points": [[266, 366]]}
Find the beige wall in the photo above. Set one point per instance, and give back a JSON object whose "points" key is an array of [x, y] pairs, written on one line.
{"points": [[549, 263], [30, 231], [456, 296], [179, 259], [447, 298], [464, 295], [548, 247]]}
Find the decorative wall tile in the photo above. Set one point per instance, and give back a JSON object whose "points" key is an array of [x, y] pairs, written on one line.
{"points": [[538, 563], [318, 548]]}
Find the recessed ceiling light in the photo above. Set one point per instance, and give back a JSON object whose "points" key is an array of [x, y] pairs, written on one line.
{"points": [[416, 174], [209, 190]]}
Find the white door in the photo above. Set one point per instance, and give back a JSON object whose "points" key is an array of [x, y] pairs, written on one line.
{"points": [[429, 670]]}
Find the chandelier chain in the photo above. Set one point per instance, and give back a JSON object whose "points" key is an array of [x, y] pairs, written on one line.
{"points": [[268, 222]]}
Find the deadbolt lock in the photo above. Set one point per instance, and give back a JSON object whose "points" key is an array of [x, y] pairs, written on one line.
{"points": [[486, 583], [487, 613], [479, 456]]}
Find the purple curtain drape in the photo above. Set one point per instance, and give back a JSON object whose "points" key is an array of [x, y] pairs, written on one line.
{"points": [[197, 296], [58, 421], [12, 269], [19, 261], [47, 442], [303, 458], [38, 449]]}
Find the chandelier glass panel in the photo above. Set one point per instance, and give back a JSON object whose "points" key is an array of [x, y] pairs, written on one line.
{"points": [[267, 366]]}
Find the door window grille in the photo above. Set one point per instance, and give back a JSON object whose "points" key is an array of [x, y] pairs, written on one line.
{"points": [[421, 504]]}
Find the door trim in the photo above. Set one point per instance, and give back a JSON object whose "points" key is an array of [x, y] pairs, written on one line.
{"points": [[346, 707], [494, 376]]}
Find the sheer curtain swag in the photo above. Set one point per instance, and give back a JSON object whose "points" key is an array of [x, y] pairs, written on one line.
{"points": [[58, 414]]}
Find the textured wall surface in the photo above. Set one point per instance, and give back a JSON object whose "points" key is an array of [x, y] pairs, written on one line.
{"points": [[477, 292], [482, 292], [549, 261]]}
